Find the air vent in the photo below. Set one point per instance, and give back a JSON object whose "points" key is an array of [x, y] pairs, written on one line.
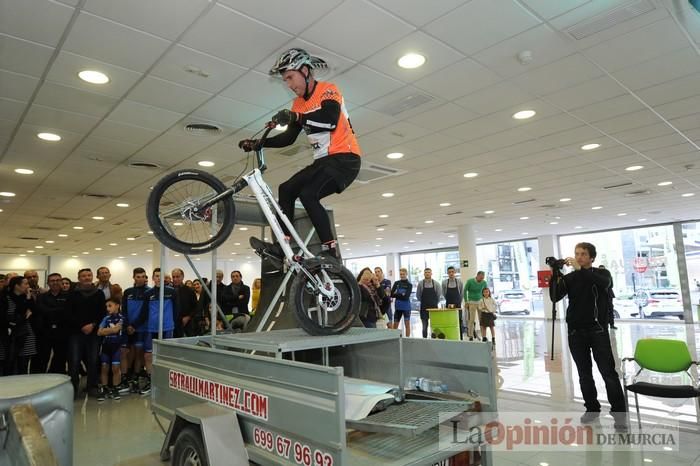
{"points": [[202, 129], [138, 164], [609, 19], [373, 172], [616, 186], [405, 103], [97, 196], [61, 219], [641, 192], [455, 213], [44, 228], [29, 238], [480, 216], [526, 201], [548, 206]]}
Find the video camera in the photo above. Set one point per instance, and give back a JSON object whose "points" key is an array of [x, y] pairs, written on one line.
{"points": [[555, 263]]}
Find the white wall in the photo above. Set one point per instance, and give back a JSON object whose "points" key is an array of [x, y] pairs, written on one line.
{"points": [[122, 269]]}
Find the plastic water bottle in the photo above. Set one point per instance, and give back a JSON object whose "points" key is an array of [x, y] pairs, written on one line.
{"points": [[411, 383]]}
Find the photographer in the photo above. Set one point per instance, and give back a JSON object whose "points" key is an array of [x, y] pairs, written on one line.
{"points": [[587, 322]]}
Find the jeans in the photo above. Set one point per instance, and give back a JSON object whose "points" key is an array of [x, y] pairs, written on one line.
{"points": [[597, 341], [86, 348]]}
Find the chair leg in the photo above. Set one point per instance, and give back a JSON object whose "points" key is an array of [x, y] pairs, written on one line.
{"points": [[639, 418]]}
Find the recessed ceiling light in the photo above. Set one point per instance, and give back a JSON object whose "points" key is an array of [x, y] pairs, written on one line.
{"points": [[77, 256], [565, 199], [78, 228], [49, 241], [498, 229], [554, 223], [112, 244], [51, 137], [578, 227], [634, 168], [688, 195], [0, 210], [596, 207], [405, 247], [445, 204], [429, 221], [243, 228], [62, 235], [388, 195], [341, 236], [344, 244], [379, 238], [122, 204], [134, 254], [419, 232], [590, 146], [131, 238], [665, 183], [337, 225], [641, 220], [471, 175], [30, 251], [394, 155], [648, 460], [380, 229], [524, 114], [149, 232], [479, 239], [86, 253], [7, 194], [383, 216], [38, 246], [411, 241], [98, 217], [525, 233], [178, 224], [450, 236], [524, 189], [98, 249], [24, 171], [174, 255], [149, 250], [411, 61], [205, 163], [621, 214], [488, 212], [93, 77], [524, 218]]}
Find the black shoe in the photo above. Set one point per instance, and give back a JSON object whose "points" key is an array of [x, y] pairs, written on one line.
{"points": [[267, 250], [122, 388], [146, 389], [100, 393], [114, 394], [484, 339], [613, 327], [621, 422], [590, 417]]}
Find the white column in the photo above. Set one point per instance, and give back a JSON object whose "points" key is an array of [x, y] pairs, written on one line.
{"points": [[548, 246], [467, 252], [393, 264]]}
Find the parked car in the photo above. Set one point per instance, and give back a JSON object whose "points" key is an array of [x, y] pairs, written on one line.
{"points": [[660, 302], [514, 302]]}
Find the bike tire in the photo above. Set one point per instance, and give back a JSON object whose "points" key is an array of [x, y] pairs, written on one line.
{"points": [[348, 291], [162, 230]]}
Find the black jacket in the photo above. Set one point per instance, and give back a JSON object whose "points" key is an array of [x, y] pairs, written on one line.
{"points": [[85, 306], [52, 312], [229, 299], [588, 296], [187, 300]]}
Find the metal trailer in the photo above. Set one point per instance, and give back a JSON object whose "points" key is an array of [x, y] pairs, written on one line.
{"points": [[277, 398]]}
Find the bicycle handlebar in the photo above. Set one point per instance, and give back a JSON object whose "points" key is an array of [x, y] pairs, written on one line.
{"points": [[259, 155]]}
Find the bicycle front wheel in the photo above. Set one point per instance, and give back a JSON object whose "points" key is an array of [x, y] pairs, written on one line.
{"points": [[318, 314], [179, 216]]}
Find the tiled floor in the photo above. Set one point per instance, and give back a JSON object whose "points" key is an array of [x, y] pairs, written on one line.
{"points": [[125, 433]]}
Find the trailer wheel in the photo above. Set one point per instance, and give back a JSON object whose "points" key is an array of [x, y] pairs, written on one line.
{"points": [[189, 448]]}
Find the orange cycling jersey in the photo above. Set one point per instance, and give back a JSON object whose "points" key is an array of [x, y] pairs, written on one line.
{"points": [[340, 140]]}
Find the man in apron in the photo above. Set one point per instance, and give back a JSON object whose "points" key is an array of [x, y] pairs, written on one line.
{"points": [[453, 288], [428, 293]]}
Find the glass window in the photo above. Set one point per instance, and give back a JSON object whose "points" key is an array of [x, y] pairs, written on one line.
{"points": [[643, 264], [511, 272], [356, 264], [691, 242]]}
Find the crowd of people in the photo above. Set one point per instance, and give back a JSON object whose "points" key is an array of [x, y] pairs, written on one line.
{"points": [[96, 329], [473, 301]]}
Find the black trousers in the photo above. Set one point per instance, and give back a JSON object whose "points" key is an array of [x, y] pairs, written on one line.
{"points": [[425, 322], [86, 348], [51, 342], [328, 175], [596, 341]]}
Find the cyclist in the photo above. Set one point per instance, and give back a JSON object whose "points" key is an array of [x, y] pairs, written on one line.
{"points": [[320, 111]]}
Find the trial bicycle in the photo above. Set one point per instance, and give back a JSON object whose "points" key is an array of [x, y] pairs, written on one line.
{"points": [[193, 212]]}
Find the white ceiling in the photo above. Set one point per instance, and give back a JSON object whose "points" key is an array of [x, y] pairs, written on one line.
{"points": [[632, 86]]}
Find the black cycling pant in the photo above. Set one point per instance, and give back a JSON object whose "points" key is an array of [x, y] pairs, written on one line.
{"points": [[327, 175]]}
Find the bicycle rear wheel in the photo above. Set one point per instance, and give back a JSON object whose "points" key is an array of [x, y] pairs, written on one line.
{"points": [[178, 217], [317, 314]]}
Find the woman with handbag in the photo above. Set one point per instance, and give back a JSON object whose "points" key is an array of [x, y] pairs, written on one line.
{"points": [[370, 304], [487, 315]]}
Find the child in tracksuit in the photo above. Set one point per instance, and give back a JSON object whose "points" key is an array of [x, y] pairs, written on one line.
{"points": [[110, 329]]}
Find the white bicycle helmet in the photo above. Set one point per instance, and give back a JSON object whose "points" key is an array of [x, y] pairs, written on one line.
{"points": [[295, 59]]}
